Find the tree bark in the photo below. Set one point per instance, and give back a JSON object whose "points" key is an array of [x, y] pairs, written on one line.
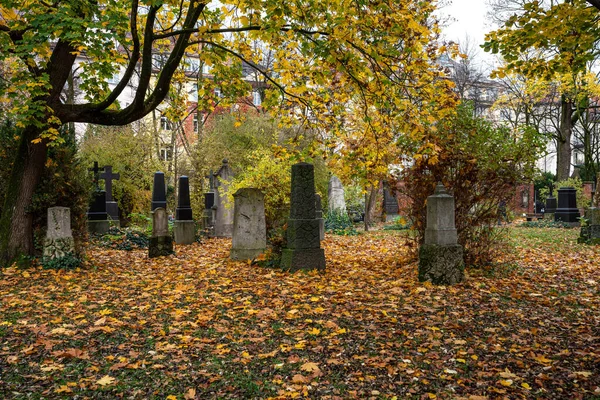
{"points": [[370, 199], [563, 144], [16, 228]]}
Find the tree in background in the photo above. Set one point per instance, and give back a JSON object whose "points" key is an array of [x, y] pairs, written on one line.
{"points": [[553, 41], [382, 50]]}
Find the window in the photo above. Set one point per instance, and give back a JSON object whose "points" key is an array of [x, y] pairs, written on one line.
{"points": [[256, 99], [195, 122], [165, 124], [192, 64], [218, 93], [113, 80], [206, 69], [166, 154], [194, 93]]}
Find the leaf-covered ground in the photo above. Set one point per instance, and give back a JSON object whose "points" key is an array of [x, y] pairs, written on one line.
{"points": [[196, 325]]}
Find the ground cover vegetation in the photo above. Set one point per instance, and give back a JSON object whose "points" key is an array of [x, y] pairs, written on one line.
{"points": [[197, 325]]}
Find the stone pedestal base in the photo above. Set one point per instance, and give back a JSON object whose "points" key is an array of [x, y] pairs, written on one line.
{"points": [[160, 246], [549, 216], [306, 259], [100, 227], [589, 234], [58, 247], [245, 254], [442, 265], [185, 232]]}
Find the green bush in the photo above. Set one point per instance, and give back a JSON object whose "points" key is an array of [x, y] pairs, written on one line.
{"points": [[339, 223], [546, 223], [123, 239], [69, 261], [399, 223], [576, 183]]}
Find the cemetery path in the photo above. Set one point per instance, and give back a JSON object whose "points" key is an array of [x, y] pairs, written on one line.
{"points": [[196, 325]]}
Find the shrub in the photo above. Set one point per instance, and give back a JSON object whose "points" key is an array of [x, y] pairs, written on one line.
{"points": [[339, 223], [576, 183], [68, 261], [480, 165]]}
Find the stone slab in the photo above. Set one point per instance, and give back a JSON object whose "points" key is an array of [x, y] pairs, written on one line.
{"points": [[184, 232], [245, 254], [100, 227]]}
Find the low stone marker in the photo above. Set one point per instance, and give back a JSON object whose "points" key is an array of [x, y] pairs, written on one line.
{"points": [[59, 238], [590, 232], [184, 227], [161, 243], [440, 256], [303, 240], [249, 227]]}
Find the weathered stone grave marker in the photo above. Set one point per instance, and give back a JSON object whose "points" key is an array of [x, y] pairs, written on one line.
{"points": [[161, 243], [335, 195], [303, 244], [184, 227], [59, 238], [223, 224], [319, 216], [249, 226], [440, 256]]}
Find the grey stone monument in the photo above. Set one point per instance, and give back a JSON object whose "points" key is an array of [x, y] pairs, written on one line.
{"points": [[335, 195], [59, 238], [303, 243], [161, 243], [249, 226], [184, 227], [159, 192], [319, 215], [440, 255], [112, 208], [223, 224], [567, 210], [97, 217]]}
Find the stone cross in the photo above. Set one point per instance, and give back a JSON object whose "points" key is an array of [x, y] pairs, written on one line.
{"points": [[108, 177], [96, 170]]}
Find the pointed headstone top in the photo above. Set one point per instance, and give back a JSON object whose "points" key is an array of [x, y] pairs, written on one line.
{"points": [[225, 161], [440, 189]]}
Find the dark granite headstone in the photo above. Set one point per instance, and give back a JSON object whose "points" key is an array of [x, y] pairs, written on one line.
{"points": [[97, 218], [184, 208], [112, 207], [209, 200], [303, 240], [390, 204], [159, 192], [567, 210]]}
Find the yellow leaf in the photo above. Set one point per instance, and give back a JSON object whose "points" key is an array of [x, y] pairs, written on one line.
{"points": [[26, 274], [506, 382], [310, 367], [171, 397], [105, 380], [525, 385], [314, 331]]}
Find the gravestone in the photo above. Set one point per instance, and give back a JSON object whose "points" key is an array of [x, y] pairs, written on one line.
{"points": [[335, 195], [319, 216], [567, 210], [208, 215], [249, 227], [390, 204], [97, 217], [550, 206], [159, 192], [440, 255], [59, 238], [303, 240], [112, 208], [184, 227], [161, 243], [223, 224], [590, 232]]}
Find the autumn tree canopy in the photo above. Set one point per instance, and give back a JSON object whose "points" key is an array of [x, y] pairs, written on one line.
{"points": [[380, 52]]}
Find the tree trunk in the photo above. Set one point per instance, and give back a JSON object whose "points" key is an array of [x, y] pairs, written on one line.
{"points": [[563, 144], [370, 199], [16, 229]]}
